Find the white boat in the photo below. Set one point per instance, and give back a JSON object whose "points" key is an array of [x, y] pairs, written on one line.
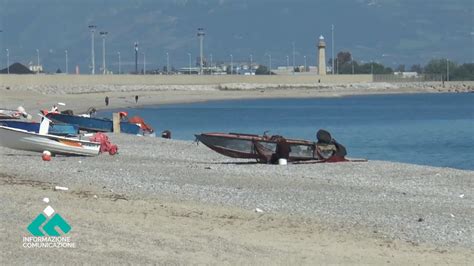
{"points": [[29, 141], [9, 114]]}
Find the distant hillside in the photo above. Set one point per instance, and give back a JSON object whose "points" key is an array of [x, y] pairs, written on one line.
{"points": [[389, 31]]}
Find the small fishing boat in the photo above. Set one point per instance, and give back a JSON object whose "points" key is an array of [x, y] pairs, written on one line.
{"points": [[54, 129], [93, 124], [30, 141], [9, 114], [237, 145], [263, 148]]}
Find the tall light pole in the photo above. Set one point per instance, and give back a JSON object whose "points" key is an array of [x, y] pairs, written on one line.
{"points": [[136, 58], [1, 47], [231, 64], [251, 62], [119, 63], [38, 61], [104, 35], [200, 35], [447, 69], [92, 30], [270, 63], [305, 67], [8, 61], [352, 63], [287, 62], [67, 65], [144, 63], [332, 47], [189, 70], [211, 59], [167, 63], [294, 63]]}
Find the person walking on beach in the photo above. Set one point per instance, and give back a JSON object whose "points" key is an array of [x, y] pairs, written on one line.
{"points": [[106, 100], [136, 98]]}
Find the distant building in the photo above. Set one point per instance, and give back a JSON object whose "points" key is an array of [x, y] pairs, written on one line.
{"points": [[36, 68], [406, 74]]}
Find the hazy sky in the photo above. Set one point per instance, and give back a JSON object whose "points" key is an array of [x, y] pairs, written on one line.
{"points": [[389, 31]]}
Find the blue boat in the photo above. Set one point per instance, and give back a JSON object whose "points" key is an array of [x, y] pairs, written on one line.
{"points": [[93, 124], [54, 129]]}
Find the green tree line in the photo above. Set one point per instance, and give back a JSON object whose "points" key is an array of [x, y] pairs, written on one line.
{"points": [[346, 65]]}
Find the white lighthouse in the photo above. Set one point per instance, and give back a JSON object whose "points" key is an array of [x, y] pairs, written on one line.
{"points": [[322, 56]]}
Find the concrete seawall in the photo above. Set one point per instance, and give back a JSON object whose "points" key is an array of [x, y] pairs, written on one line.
{"points": [[22, 80]]}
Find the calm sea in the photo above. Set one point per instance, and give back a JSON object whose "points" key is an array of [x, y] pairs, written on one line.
{"points": [[427, 129]]}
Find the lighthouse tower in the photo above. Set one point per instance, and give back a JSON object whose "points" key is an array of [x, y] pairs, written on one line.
{"points": [[322, 56]]}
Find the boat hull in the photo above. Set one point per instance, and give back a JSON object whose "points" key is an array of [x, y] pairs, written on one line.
{"points": [[93, 124], [56, 129], [242, 146], [29, 141]]}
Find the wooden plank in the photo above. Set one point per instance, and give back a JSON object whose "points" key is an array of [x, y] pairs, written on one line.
{"points": [[116, 122]]}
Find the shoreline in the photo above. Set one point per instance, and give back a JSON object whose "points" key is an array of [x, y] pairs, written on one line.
{"points": [[79, 98]]}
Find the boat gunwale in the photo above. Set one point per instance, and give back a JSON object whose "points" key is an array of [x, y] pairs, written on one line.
{"points": [[49, 135], [256, 137]]}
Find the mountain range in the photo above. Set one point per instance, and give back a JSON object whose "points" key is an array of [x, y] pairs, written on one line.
{"points": [[391, 32]]}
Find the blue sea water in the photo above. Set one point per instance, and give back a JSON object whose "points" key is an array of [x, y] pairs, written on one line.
{"points": [[427, 129]]}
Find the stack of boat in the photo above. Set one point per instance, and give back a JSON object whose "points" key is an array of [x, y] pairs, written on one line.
{"points": [[57, 133]]}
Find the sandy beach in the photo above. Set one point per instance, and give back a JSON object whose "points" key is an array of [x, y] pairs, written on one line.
{"points": [[175, 202]]}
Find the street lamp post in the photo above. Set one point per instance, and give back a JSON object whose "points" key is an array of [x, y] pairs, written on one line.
{"points": [[37, 61], [352, 63], [447, 69], [287, 62], [1, 53], [332, 47], [231, 64], [67, 66], [270, 63], [167, 63], [8, 61], [119, 63], [251, 62], [305, 67], [144, 63], [294, 63], [189, 70], [104, 68], [92, 30], [136, 58], [210, 56]]}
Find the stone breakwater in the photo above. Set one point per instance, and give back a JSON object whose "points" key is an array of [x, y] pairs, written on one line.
{"points": [[458, 87]]}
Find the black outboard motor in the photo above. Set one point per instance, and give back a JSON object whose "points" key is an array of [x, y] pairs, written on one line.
{"points": [[166, 134], [327, 147]]}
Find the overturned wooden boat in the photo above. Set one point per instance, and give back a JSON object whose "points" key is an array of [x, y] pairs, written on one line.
{"points": [[30, 141], [238, 145], [262, 148], [93, 124]]}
